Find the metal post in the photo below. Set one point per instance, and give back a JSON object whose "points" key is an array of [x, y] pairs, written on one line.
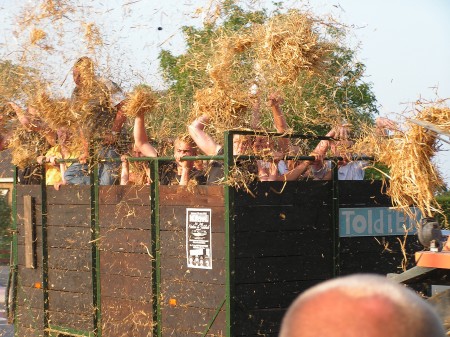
{"points": [[229, 236], [95, 233], [156, 261], [335, 222], [44, 250]]}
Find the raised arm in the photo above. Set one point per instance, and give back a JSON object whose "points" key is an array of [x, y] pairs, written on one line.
{"points": [[275, 102], [140, 138], [204, 141]]}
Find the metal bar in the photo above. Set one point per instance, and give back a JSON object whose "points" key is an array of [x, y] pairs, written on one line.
{"points": [[156, 260], [214, 318], [15, 254], [229, 236], [45, 250], [335, 222], [96, 300]]}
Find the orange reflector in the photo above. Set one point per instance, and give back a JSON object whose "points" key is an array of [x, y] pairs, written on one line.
{"points": [[172, 302], [38, 285]]}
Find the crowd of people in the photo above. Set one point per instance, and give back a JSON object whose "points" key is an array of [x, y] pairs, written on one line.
{"points": [[104, 101]]}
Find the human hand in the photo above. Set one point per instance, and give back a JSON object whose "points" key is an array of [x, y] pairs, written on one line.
{"points": [[385, 123], [41, 159], [275, 99]]}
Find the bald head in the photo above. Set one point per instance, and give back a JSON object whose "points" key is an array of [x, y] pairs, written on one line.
{"points": [[360, 306]]}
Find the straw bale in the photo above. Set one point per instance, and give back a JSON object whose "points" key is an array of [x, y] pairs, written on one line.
{"points": [[288, 44], [225, 111], [413, 177], [25, 146], [140, 101]]}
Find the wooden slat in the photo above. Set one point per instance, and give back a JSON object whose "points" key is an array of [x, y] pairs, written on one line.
{"points": [[124, 215], [199, 196], [176, 269], [132, 288], [192, 294], [126, 240], [177, 320], [76, 321], [126, 264]]}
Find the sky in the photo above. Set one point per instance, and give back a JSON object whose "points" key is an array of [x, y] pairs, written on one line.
{"points": [[403, 43]]}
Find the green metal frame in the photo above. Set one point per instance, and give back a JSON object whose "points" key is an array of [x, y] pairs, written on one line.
{"points": [[44, 251], [15, 254], [336, 248], [156, 252], [95, 234], [229, 195], [229, 236]]}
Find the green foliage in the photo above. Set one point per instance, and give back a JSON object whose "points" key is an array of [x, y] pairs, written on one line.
{"points": [[444, 202], [337, 92], [5, 222]]}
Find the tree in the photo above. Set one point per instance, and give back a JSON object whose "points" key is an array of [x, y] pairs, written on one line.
{"points": [[314, 99]]}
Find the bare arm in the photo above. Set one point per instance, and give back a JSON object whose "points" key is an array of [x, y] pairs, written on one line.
{"points": [[279, 119], [140, 138], [204, 141]]}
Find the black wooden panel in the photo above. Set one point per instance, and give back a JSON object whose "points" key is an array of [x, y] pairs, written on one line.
{"points": [[279, 269], [254, 322], [270, 295], [283, 243], [290, 193], [283, 218], [363, 193]]}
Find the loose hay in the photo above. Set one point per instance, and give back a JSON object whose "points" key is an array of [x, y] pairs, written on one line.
{"points": [[413, 177], [140, 101]]}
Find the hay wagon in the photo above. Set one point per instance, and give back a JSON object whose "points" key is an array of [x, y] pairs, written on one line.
{"points": [[207, 261]]}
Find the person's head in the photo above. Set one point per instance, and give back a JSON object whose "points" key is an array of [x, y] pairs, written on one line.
{"points": [[262, 145], [360, 305], [184, 146], [83, 70]]}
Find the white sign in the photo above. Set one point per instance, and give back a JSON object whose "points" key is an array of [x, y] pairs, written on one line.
{"points": [[198, 238], [376, 221]]}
